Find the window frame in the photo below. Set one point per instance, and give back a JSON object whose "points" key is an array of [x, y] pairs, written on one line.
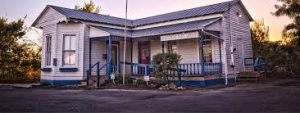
{"points": [[75, 50], [210, 47], [48, 50]]}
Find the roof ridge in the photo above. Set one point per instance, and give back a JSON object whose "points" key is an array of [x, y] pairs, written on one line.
{"points": [[175, 15], [87, 12], [231, 1]]}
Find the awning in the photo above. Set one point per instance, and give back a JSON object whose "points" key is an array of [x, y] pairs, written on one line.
{"points": [[163, 30]]}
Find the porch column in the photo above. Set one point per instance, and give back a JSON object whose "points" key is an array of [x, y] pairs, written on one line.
{"points": [[90, 62], [90, 53], [201, 51], [220, 52], [131, 59], [109, 64], [162, 43]]}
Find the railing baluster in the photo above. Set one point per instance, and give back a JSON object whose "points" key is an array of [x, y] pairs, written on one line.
{"points": [[194, 69]]}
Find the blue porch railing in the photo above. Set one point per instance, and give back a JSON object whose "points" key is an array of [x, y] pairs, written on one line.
{"points": [[140, 69], [192, 69]]}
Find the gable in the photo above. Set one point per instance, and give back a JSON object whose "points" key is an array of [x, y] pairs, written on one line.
{"points": [[240, 8], [48, 16]]}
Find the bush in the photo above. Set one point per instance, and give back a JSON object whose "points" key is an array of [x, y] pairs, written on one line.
{"points": [[162, 62]]}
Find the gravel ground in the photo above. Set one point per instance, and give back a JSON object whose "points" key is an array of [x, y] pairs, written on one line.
{"points": [[278, 96]]}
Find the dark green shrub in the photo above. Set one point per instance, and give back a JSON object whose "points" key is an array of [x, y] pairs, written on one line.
{"points": [[161, 63]]}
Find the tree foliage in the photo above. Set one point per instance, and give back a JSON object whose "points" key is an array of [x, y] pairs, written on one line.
{"points": [[281, 58], [18, 61], [89, 7], [259, 35], [291, 9]]}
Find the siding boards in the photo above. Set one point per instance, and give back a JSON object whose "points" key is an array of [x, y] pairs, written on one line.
{"points": [[240, 28], [188, 49]]}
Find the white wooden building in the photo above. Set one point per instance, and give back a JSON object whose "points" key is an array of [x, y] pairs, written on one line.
{"points": [[214, 42]]}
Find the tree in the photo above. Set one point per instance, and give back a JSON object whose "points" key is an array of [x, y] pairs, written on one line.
{"points": [[18, 61], [259, 35], [291, 9], [89, 7], [281, 58]]}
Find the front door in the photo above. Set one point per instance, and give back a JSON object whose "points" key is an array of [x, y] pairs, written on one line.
{"points": [[144, 52], [144, 55], [115, 58], [240, 55]]}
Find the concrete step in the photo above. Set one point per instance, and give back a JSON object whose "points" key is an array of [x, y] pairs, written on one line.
{"points": [[93, 81]]}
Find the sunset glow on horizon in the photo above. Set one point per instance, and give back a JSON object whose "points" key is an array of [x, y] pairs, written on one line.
{"points": [[259, 9]]}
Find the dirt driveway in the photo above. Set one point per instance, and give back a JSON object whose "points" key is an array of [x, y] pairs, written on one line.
{"points": [[280, 96]]}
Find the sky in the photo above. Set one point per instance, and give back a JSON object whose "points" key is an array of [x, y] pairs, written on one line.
{"points": [[258, 9]]}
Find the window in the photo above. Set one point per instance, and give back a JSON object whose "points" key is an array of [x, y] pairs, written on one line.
{"points": [[172, 47], [48, 50], [207, 48], [69, 50], [239, 15]]}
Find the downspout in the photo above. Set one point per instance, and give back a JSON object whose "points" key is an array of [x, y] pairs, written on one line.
{"points": [[232, 49]]}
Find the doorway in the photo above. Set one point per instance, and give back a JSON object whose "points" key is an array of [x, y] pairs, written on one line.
{"points": [[144, 55], [240, 55]]}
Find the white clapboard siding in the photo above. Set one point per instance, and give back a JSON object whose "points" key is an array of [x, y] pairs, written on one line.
{"points": [[50, 17], [48, 22], [189, 50], [155, 46], [236, 27], [99, 48], [78, 30], [215, 26], [135, 57]]}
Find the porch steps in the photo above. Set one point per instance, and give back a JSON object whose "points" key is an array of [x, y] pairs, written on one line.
{"points": [[93, 81], [249, 76]]}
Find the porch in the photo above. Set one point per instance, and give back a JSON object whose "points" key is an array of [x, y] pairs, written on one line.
{"points": [[201, 53]]}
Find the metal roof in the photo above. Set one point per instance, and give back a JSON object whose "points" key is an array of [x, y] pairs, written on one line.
{"points": [[84, 16], [200, 11], [182, 27]]}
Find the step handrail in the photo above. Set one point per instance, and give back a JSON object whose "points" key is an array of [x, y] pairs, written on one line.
{"points": [[89, 72]]}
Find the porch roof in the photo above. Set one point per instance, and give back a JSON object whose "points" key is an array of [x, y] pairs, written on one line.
{"points": [[163, 30]]}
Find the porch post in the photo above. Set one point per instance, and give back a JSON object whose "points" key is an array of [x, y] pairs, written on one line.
{"points": [[162, 43], [109, 57], [220, 52], [90, 53], [131, 59], [90, 62], [201, 50]]}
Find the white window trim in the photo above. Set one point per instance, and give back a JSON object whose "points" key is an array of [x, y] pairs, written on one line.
{"points": [[77, 50], [45, 51]]}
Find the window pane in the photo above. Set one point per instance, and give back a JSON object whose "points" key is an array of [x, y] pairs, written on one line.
{"points": [[48, 50], [66, 42], [73, 44], [72, 58], [48, 42], [69, 58], [48, 59], [66, 58]]}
